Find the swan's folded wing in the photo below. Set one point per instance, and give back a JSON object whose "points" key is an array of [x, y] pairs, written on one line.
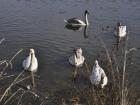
{"points": [[26, 63], [72, 59], [104, 78], [74, 21]]}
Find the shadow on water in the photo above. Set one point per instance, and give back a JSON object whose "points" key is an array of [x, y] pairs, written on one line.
{"points": [[78, 28]]}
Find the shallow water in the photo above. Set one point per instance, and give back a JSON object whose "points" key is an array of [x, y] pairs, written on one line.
{"points": [[39, 24]]}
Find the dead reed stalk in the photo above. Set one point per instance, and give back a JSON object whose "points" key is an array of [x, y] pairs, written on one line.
{"points": [[15, 80]]}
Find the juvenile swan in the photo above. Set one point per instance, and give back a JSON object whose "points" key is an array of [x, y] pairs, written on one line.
{"points": [[30, 63], [98, 76], [78, 22], [121, 30], [77, 59]]}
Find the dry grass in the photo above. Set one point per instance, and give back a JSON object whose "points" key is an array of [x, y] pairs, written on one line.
{"points": [[117, 92], [13, 89]]}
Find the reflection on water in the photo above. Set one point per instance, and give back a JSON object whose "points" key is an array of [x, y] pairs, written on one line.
{"points": [[86, 35], [76, 28]]}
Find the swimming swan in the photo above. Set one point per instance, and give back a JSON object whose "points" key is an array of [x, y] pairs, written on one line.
{"points": [[121, 30], [77, 22], [30, 63], [77, 59], [98, 76]]}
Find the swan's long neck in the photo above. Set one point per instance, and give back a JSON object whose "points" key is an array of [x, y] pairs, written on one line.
{"points": [[86, 19], [95, 70], [97, 66], [78, 55], [31, 61]]}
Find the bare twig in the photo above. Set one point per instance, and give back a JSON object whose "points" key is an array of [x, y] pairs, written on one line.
{"points": [[21, 80], [10, 61], [130, 50], [20, 98], [124, 70], [6, 77], [4, 68], [2, 40], [7, 62], [12, 96], [3, 61], [10, 86]]}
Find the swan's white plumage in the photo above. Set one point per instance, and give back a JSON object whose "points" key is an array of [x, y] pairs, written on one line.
{"points": [[98, 76], [75, 22], [121, 30], [28, 65], [78, 22], [77, 59]]}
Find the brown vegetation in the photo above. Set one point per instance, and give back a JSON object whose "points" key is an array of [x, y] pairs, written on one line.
{"points": [[117, 92]]}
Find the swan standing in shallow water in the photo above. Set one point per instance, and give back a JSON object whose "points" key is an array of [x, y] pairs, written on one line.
{"points": [[77, 22], [77, 59], [121, 30], [98, 76], [31, 63]]}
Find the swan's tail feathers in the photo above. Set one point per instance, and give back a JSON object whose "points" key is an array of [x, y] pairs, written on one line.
{"points": [[65, 21]]}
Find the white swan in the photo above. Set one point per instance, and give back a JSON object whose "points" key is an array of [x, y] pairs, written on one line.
{"points": [[77, 22], [77, 59], [30, 63], [98, 76], [121, 30]]}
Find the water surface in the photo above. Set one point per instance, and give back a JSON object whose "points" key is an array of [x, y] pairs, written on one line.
{"points": [[39, 24]]}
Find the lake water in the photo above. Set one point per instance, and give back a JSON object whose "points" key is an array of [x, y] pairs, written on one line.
{"points": [[39, 24]]}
